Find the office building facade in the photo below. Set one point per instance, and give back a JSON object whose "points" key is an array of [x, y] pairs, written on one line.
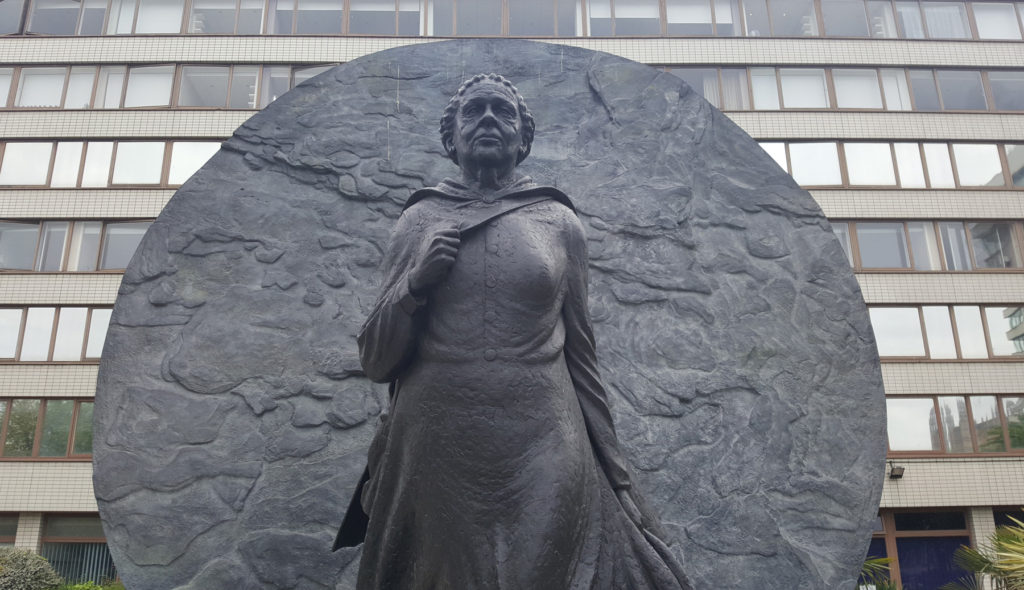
{"points": [[904, 118]]}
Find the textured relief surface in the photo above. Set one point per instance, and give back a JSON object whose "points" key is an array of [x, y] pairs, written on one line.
{"points": [[232, 415]]}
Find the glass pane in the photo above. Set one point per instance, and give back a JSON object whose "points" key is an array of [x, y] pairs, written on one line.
{"points": [[924, 245], [40, 87], [766, 91], [930, 521], [300, 75], [51, 247], [911, 423], [897, 331], [10, 16], [735, 95], [276, 81], [10, 327], [857, 89], [994, 246], [635, 17], [882, 245], [66, 164], [815, 164], [929, 561], [441, 14], [940, 332], [526, 17], [18, 245], [6, 76], [689, 17], [187, 157], [703, 80], [97, 163], [987, 425], [1004, 330], [82, 527], [212, 16], [323, 17], [844, 18], [842, 232], [755, 17], [25, 164], [122, 12], [120, 243], [870, 164], [940, 169], [777, 150], [250, 17], [970, 332], [410, 17], [98, 324], [954, 245], [881, 20], [160, 16], [804, 88], [21, 428], [1007, 90], [56, 428], [908, 161], [85, 245], [908, 16], [8, 522], [108, 87], [961, 90], [897, 92], [70, 334], [243, 87], [203, 86], [977, 164], [1013, 407], [80, 83], [793, 18], [995, 20], [149, 86], [1003, 517], [83, 430], [138, 162], [53, 17], [727, 18], [481, 17], [93, 14], [926, 97], [946, 20], [1015, 157], [956, 427]]}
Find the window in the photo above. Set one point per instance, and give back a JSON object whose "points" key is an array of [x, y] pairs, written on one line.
{"points": [[961, 90], [45, 428], [478, 18], [990, 332], [704, 81], [880, 18], [1007, 90], [8, 529], [52, 334], [76, 548], [765, 88], [25, 164], [896, 89], [922, 85], [844, 18], [946, 20], [921, 545], [69, 245], [804, 88], [10, 16], [955, 424], [1015, 158], [815, 164], [978, 164], [690, 17], [857, 89], [883, 245], [793, 18], [995, 20], [149, 86], [870, 164]]}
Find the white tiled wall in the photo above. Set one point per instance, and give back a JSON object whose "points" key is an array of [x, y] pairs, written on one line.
{"points": [[42, 380], [88, 203], [54, 486], [59, 288], [953, 377], [942, 287], [956, 482], [30, 530], [920, 204]]}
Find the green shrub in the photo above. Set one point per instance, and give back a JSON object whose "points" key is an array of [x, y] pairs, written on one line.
{"points": [[93, 586], [24, 570]]}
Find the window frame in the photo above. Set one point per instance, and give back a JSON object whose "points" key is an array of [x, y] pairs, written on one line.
{"points": [[975, 443], [40, 421], [105, 224], [890, 534], [83, 359], [990, 357]]}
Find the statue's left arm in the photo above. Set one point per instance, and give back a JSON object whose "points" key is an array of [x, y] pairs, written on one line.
{"points": [[581, 358]]}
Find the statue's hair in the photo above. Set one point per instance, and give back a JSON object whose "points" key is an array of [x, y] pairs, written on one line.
{"points": [[448, 118]]}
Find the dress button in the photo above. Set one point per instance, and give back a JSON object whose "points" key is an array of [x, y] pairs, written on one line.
{"points": [[490, 354], [492, 248], [490, 282]]}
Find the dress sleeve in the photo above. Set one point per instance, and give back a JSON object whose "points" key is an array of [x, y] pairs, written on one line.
{"points": [[581, 357], [387, 340]]}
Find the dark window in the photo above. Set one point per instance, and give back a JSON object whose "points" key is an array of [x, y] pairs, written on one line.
{"points": [[922, 84], [75, 546], [10, 16], [844, 18], [961, 90], [1007, 90], [1003, 517], [480, 17], [927, 562]]}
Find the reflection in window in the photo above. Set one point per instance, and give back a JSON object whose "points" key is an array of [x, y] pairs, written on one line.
{"points": [[703, 80], [897, 331], [977, 164], [1006, 338], [956, 429], [10, 328], [815, 164], [994, 245], [45, 428], [25, 164], [793, 18], [842, 232], [995, 20], [1013, 409], [50, 334], [954, 245], [159, 16], [880, 17], [18, 245], [961, 90], [912, 424], [857, 89], [120, 243], [1015, 158], [1007, 90], [374, 17], [922, 84], [969, 332], [869, 164], [987, 424], [50, 247], [53, 17], [6, 77], [908, 162], [941, 342], [940, 169], [924, 246]]}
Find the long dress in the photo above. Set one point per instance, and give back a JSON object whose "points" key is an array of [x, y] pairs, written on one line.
{"points": [[498, 464]]}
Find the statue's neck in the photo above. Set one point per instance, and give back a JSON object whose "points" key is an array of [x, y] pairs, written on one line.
{"points": [[487, 181]]}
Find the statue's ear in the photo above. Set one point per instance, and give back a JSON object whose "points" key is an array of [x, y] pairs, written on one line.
{"points": [[449, 148]]}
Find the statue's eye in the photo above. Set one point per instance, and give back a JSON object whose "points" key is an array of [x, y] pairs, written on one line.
{"points": [[507, 112], [470, 110]]}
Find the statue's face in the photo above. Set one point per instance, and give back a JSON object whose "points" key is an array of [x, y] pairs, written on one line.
{"points": [[488, 130]]}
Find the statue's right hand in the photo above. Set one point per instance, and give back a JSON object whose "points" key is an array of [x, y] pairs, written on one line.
{"points": [[434, 260]]}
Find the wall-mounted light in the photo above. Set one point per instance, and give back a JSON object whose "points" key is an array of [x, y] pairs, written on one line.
{"points": [[896, 471]]}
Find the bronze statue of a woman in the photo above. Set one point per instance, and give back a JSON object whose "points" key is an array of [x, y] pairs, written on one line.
{"points": [[498, 465]]}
